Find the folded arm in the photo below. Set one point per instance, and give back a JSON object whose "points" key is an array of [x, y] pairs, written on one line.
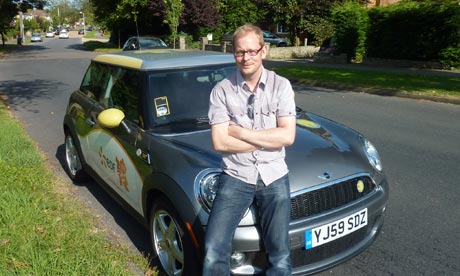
{"points": [[223, 142], [236, 139], [274, 138]]}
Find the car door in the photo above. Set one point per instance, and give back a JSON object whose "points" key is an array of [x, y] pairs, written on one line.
{"points": [[114, 149], [93, 87]]}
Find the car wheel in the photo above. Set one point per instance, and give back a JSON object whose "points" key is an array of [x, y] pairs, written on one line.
{"points": [[73, 161], [172, 246]]}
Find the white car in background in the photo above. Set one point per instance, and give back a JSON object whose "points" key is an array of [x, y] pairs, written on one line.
{"points": [[49, 34], [63, 34], [36, 37]]}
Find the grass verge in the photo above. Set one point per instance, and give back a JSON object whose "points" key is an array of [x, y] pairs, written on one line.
{"points": [[44, 230], [431, 85], [98, 46]]}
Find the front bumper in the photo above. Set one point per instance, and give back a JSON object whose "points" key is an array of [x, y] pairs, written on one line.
{"points": [[306, 262]]}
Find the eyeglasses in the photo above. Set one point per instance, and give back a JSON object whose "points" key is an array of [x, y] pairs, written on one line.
{"points": [[251, 53], [251, 107]]}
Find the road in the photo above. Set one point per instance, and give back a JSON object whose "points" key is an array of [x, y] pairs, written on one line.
{"points": [[417, 140]]}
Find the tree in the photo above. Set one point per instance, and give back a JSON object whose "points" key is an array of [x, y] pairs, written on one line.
{"points": [[199, 17], [10, 8], [232, 14], [7, 12], [302, 17], [173, 13]]}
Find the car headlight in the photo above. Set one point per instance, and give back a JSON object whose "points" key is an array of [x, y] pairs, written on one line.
{"points": [[372, 154], [206, 188]]}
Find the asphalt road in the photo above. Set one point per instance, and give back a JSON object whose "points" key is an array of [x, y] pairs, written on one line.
{"points": [[417, 140]]}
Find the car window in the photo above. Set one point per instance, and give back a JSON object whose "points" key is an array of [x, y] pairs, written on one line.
{"points": [[94, 83], [181, 96], [124, 94], [152, 43]]}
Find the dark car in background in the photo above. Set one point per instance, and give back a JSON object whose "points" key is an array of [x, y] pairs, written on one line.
{"points": [[144, 43], [268, 38], [138, 125]]}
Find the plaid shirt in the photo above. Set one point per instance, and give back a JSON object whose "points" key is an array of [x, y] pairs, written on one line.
{"points": [[273, 98]]}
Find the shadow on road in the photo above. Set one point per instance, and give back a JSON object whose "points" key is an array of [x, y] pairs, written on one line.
{"points": [[23, 93]]}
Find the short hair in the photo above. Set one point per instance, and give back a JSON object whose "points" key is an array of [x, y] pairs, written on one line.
{"points": [[248, 28]]}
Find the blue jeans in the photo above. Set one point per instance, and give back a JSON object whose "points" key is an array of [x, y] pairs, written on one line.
{"points": [[233, 198]]}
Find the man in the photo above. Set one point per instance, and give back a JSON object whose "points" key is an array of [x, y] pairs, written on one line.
{"points": [[252, 117]]}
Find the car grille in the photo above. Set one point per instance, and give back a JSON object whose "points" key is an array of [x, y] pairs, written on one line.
{"points": [[301, 256], [329, 197]]}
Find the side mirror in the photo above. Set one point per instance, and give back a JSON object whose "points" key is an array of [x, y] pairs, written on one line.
{"points": [[112, 118]]}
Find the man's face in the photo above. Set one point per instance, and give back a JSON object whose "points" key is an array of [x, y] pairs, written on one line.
{"points": [[249, 55]]}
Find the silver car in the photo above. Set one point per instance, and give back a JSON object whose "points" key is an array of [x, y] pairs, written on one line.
{"points": [[268, 38], [138, 125], [36, 37]]}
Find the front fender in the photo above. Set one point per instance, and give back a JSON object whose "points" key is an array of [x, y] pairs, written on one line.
{"points": [[160, 185]]}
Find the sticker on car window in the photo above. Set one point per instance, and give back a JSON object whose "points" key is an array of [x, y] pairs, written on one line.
{"points": [[161, 106]]}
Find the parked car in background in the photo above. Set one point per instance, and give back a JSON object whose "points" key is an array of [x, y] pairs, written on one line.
{"points": [[36, 37], [138, 125], [49, 34], [144, 43], [268, 38], [63, 34], [81, 31]]}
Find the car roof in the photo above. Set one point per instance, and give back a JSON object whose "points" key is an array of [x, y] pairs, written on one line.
{"points": [[158, 59], [145, 37]]}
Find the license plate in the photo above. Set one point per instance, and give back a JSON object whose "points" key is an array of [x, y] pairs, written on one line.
{"points": [[335, 230]]}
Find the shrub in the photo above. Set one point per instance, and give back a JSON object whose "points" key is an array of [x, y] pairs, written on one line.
{"points": [[450, 58], [351, 24], [414, 31]]}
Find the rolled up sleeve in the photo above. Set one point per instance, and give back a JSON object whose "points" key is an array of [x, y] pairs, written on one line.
{"points": [[286, 106], [218, 112]]}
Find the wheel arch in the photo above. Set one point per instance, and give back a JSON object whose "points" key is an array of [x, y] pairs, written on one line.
{"points": [[69, 130], [160, 185]]}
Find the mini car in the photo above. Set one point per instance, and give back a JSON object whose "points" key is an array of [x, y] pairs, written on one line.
{"points": [[138, 125], [36, 37], [64, 34], [144, 43], [81, 31]]}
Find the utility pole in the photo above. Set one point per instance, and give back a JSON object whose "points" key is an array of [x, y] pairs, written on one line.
{"points": [[21, 27]]}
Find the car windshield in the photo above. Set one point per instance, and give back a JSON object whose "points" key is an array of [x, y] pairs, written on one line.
{"points": [[181, 97]]}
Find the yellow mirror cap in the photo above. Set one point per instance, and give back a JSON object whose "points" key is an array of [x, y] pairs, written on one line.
{"points": [[111, 117]]}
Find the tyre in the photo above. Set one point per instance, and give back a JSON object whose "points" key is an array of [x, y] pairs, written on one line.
{"points": [[73, 162], [171, 245]]}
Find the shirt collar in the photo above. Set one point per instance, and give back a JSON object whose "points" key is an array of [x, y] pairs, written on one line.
{"points": [[242, 83]]}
